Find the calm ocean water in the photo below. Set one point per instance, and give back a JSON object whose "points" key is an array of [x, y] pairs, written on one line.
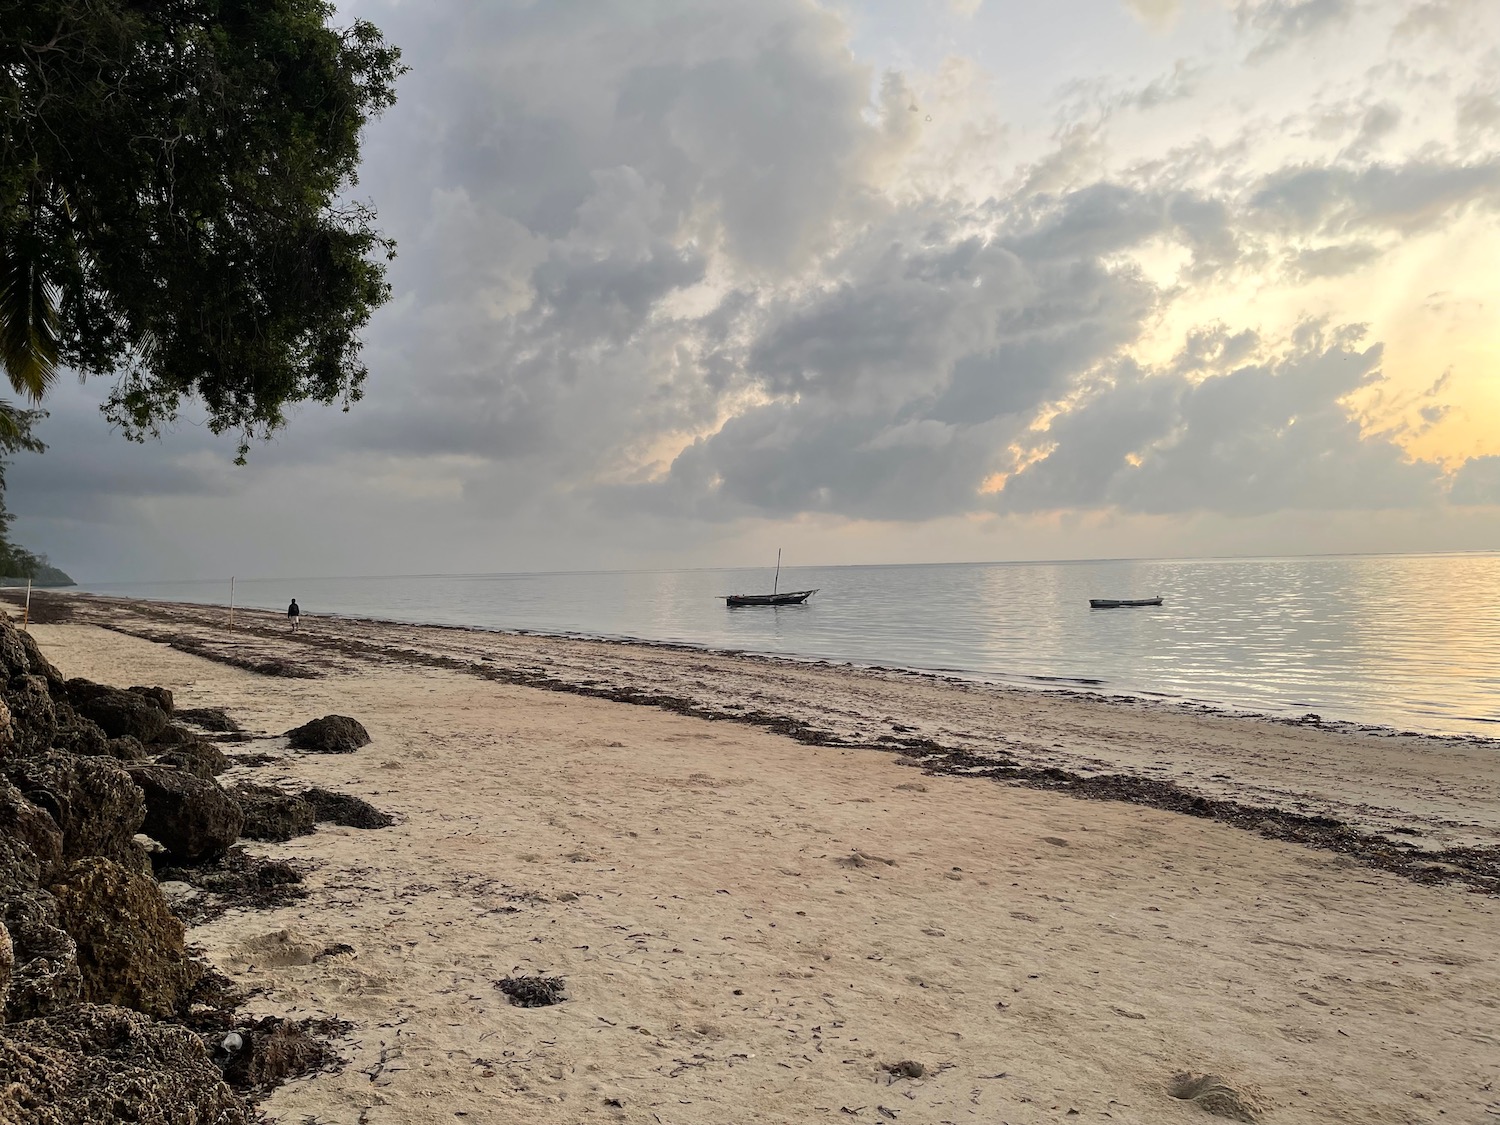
{"points": [[1406, 641]]}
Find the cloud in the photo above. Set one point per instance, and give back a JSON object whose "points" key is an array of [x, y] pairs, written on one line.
{"points": [[889, 393], [1452, 20], [1404, 198], [1279, 24], [1263, 437], [89, 475], [1314, 262], [1477, 482], [1479, 115], [677, 266]]}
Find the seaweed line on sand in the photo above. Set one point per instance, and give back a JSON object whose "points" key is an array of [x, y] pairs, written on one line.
{"points": [[1475, 867]]}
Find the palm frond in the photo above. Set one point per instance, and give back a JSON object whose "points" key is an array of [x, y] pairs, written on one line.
{"points": [[15, 430], [28, 318]]}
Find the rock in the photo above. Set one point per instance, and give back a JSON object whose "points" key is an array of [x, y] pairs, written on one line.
{"points": [[198, 757], [209, 718], [117, 712], [25, 825], [100, 1064], [33, 719], [45, 977], [271, 813], [39, 665], [75, 734], [14, 659], [341, 808], [92, 800], [161, 696], [126, 749], [7, 965], [332, 734], [174, 734], [130, 944], [7, 731], [192, 818]]}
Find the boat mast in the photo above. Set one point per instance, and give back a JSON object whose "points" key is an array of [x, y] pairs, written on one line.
{"points": [[777, 581]]}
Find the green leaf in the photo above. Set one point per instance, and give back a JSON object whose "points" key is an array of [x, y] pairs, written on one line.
{"points": [[28, 319]]}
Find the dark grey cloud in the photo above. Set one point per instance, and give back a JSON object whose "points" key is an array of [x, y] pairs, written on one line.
{"points": [[87, 471], [1477, 482], [1403, 198], [891, 393], [1261, 438]]}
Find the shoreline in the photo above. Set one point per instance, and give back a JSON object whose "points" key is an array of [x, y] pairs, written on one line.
{"points": [[1423, 807], [755, 928], [1081, 688]]}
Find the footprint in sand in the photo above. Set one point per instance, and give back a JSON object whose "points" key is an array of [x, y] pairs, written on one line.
{"points": [[864, 859], [1211, 1094]]}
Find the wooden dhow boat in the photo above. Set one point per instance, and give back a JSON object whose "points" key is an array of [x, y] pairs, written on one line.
{"points": [[791, 597]]}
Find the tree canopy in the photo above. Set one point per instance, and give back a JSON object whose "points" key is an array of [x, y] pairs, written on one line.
{"points": [[174, 203], [16, 436]]}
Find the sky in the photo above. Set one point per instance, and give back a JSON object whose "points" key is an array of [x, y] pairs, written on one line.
{"points": [[679, 283]]}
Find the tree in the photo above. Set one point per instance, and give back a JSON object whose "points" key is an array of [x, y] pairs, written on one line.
{"points": [[15, 436], [174, 207]]}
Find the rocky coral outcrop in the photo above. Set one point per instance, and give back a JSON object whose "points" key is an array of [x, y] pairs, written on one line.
{"points": [[45, 977], [130, 945], [43, 972], [198, 757], [118, 712], [126, 749], [192, 818], [332, 734], [161, 696], [31, 843], [91, 953], [33, 717], [34, 663], [92, 800], [76, 735], [271, 813], [95, 1063], [214, 719], [7, 965]]}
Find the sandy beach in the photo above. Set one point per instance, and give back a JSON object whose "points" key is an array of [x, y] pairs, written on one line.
{"points": [[755, 919]]}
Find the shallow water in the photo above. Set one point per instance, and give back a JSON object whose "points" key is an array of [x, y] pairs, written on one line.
{"points": [[1409, 641]]}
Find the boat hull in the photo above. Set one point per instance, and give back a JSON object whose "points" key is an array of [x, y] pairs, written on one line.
{"points": [[794, 597], [1121, 603]]}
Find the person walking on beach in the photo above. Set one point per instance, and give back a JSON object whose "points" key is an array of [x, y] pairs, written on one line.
{"points": [[294, 614]]}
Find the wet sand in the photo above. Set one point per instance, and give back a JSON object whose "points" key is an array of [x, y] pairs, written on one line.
{"points": [[753, 918]]}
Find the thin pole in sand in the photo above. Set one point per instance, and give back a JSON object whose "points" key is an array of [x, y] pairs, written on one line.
{"points": [[231, 601], [26, 615]]}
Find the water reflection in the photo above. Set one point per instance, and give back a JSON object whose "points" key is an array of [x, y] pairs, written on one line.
{"points": [[1408, 641]]}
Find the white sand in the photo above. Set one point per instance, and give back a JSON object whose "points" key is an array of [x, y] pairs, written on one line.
{"points": [[726, 963]]}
